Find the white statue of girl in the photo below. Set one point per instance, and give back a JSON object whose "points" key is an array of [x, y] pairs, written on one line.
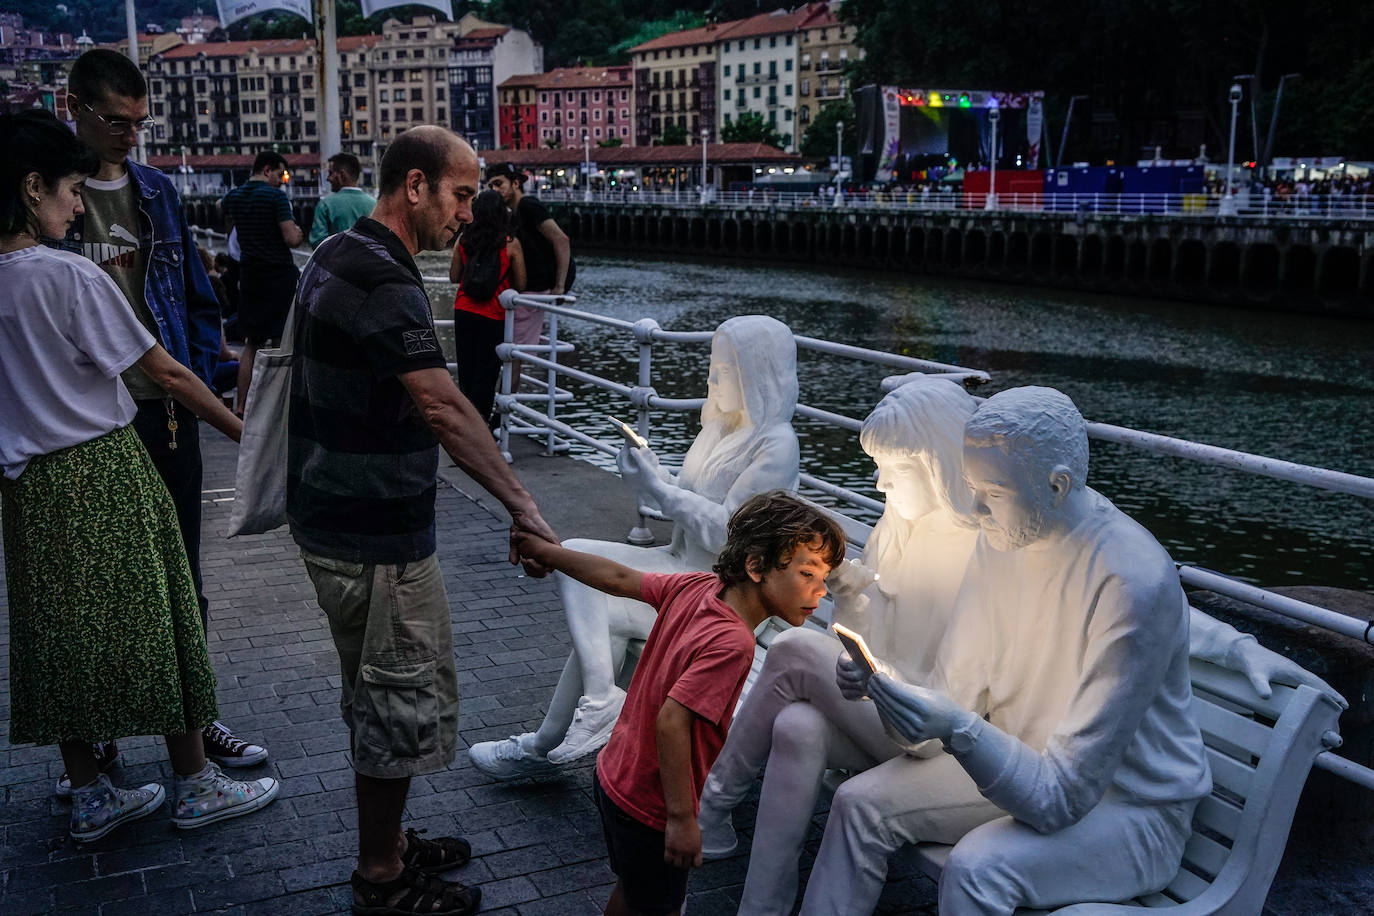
{"points": [[746, 446]]}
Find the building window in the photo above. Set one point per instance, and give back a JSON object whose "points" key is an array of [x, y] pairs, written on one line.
{"points": [[383, 96], [308, 103], [416, 94], [439, 94], [417, 114], [310, 128], [758, 68], [787, 65], [362, 127], [400, 114], [359, 79], [727, 95], [806, 86], [772, 41]]}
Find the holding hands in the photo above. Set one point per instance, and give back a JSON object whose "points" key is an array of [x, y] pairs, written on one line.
{"points": [[528, 531]]}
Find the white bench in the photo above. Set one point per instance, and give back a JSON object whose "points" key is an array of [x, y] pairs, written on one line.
{"points": [[1260, 752]]}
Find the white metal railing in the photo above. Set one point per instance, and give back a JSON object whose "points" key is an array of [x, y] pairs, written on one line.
{"points": [[1254, 205]]}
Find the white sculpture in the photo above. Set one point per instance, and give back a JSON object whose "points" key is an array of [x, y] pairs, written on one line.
{"points": [[1061, 694], [795, 718], [746, 446]]}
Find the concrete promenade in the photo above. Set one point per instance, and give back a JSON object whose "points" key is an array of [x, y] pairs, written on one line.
{"points": [[537, 847]]}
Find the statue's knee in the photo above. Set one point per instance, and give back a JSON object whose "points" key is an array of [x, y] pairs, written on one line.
{"points": [[974, 872], [853, 811], [799, 732], [800, 648]]}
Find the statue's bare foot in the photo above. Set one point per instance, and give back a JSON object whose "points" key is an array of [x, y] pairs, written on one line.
{"points": [[591, 727]]}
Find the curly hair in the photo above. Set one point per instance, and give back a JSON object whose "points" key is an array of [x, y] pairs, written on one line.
{"points": [[765, 532]]}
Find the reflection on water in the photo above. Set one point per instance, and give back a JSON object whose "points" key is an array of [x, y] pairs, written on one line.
{"points": [[1291, 386]]}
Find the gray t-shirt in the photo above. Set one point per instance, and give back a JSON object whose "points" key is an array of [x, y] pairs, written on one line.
{"points": [[111, 239]]}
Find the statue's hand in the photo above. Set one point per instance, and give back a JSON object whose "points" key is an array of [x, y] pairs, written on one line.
{"points": [[851, 678], [913, 713], [640, 467], [1263, 667], [850, 579]]}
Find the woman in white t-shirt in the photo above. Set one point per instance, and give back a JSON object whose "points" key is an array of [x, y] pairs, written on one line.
{"points": [[105, 632]]}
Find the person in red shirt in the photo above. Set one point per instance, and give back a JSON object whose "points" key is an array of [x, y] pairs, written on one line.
{"points": [[777, 555]]}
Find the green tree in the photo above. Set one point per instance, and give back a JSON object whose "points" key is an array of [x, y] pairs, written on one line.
{"points": [[674, 134], [750, 127], [818, 142], [609, 142]]}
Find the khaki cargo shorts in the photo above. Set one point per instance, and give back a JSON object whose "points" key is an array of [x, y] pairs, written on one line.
{"points": [[391, 628]]}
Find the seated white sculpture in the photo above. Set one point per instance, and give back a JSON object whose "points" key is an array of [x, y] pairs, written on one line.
{"points": [[746, 446], [795, 718]]}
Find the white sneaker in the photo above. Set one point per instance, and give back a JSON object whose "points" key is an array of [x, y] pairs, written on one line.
{"points": [[591, 727], [101, 807], [511, 758], [210, 796], [718, 838]]}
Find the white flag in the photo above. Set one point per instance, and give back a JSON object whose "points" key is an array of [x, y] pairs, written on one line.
{"points": [[441, 6], [231, 11]]}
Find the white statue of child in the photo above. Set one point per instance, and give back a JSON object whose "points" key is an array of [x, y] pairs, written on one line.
{"points": [[746, 446]]}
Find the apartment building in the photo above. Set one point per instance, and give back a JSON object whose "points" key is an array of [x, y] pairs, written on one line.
{"points": [[675, 83], [758, 58], [483, 56], [517, 105], [410, 75], [595, 102], [824, 46]]}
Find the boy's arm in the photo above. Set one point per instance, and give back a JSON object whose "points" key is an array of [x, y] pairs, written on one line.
{"points": [[681, 836], [598, 572]]}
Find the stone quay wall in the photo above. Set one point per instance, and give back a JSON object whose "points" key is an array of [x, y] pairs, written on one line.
{"points": [[1310, 265]]}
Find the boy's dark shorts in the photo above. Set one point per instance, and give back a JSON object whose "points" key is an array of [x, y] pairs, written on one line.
{"points": [[650, 885]]}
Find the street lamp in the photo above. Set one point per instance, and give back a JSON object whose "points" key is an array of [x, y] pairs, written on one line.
{"points": [[705, 135], [994, 115], [587, 166], [1228, 204], [839, 160]]}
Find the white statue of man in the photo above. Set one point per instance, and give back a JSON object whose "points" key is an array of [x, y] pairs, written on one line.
{"points": [[1061, 694], [795, 718], [746, 446]]}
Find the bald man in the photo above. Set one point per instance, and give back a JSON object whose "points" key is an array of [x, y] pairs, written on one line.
{"points": [[371, 399]]}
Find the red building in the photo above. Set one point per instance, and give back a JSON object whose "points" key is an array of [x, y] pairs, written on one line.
{"points": [[517, 100]]}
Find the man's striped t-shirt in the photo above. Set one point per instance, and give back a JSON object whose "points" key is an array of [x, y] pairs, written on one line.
{"points": [[258, 210], [362, 464]]}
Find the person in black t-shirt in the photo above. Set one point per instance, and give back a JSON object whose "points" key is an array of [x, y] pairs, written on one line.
{"points": [[370, 400], [548, 253]]}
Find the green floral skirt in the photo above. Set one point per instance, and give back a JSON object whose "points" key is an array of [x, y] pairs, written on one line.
{"points": [[105, 632]]}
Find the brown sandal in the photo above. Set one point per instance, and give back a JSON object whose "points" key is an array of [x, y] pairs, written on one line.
{"points": [[419, 895], [436, 855]]}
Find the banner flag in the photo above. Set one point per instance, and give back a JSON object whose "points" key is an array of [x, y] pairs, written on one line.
{"points": [[231, 11], [441, 6], [892, 129], [1035, 123]]}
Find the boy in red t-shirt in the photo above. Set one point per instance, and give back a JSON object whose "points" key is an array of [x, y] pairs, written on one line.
{"points": [[777, 554]]}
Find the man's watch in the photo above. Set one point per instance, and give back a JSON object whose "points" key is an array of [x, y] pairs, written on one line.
{"points": [[962, 739]]}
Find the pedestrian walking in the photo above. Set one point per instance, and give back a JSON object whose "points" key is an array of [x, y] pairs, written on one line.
{"points": [[105, 640], [134, 229], [260, 211], [370, 399]]}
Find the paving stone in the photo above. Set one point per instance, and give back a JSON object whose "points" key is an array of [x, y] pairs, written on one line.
{"points": [[98, 890]]}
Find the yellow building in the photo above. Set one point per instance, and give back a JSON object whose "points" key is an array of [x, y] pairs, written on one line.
{"points": [[675, 82]]}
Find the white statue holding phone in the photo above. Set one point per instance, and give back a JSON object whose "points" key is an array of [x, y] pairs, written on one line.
{"points": [[746, 446]]}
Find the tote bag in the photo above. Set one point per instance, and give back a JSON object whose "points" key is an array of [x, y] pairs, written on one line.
{"points": [[260, 480]]}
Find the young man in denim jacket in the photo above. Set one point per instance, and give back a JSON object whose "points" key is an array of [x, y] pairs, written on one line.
{"points": [[135, 229]]}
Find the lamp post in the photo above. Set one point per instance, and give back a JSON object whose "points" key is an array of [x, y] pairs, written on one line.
{"points": [[1228, 205], [705, 135], [587, 166], [839, 161], [994, 115]]}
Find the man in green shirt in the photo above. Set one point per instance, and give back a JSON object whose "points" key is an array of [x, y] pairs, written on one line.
{"points": [[346, 205]]}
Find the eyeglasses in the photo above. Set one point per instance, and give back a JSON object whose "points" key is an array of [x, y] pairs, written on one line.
{"points": [[119, 126]]}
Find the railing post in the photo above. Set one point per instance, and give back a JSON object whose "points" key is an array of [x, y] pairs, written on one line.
{"points": [[640, 535], [508, 382], [551, 448]]}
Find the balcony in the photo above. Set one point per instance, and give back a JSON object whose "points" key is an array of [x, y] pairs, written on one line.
{"points": [[830, 66]]}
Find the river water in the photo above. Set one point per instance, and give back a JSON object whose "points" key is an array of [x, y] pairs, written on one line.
{"points": [[1296, 387]]}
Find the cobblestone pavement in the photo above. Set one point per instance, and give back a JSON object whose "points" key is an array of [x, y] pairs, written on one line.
{"points": [[537, 848]]}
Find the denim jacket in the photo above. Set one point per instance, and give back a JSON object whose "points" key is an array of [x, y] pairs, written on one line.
{"points": [[177, 288]]}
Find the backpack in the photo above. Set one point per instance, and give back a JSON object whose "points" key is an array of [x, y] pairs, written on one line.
{"points": [[481, 275]]}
